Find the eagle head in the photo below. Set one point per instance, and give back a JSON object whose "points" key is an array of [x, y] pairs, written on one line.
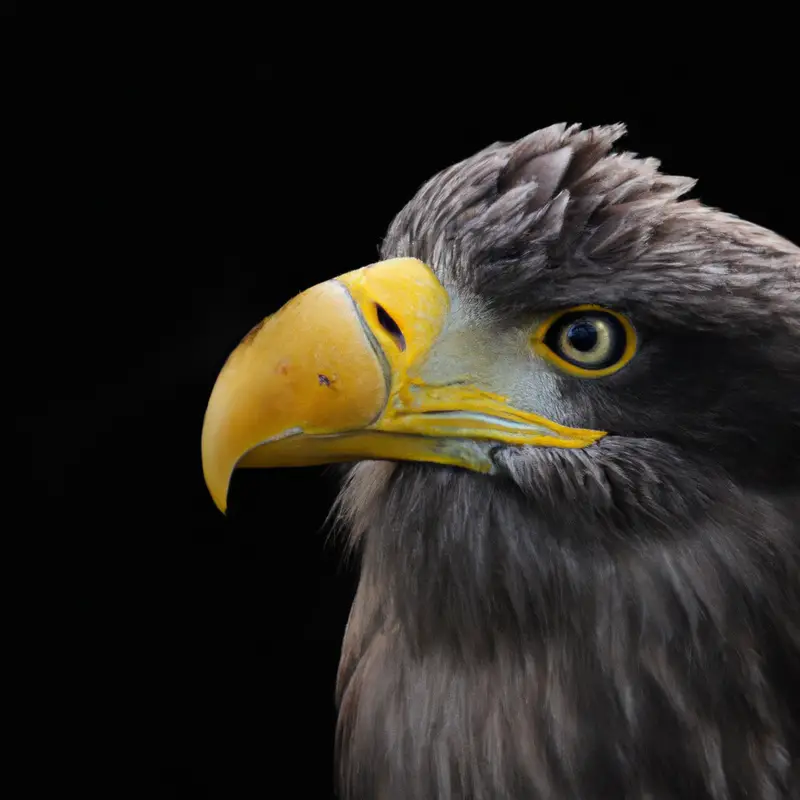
{"points": [[569, 399]]}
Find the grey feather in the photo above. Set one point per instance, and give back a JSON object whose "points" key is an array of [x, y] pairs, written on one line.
{"points": [[619, 621]]}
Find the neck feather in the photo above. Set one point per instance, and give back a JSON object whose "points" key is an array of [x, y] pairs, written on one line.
{"points": [[506, 643]]}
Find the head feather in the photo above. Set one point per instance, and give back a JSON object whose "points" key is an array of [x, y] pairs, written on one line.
{"points": [[618, 621], [557, 218]]}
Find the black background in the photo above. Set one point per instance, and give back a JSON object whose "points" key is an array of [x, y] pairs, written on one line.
{"points": [[194, 185]]}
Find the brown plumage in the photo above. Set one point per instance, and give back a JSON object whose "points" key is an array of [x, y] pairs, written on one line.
{"points": [[615, 622]]}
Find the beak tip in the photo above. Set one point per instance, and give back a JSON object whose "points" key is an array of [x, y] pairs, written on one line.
{"points": [[217, 487], [220, 498], [220, 503]]}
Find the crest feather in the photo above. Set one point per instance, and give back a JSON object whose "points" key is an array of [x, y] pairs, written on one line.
{"points": [[600, 226]]}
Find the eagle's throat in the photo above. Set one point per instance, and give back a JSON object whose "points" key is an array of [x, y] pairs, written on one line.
{"points": [[496, 651]]}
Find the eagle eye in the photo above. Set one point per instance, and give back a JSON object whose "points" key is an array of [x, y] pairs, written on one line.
{"points": [[586, 341]]}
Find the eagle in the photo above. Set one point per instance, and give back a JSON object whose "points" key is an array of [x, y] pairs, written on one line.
{"points": [[567, 404]]}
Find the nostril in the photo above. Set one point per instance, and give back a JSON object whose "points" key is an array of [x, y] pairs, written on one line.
{"points": [[390, 326]]}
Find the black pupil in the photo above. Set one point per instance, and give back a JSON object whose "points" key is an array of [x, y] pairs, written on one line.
{"points": [[582, 335]]}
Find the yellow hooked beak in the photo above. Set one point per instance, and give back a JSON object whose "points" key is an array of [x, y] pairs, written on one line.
{"points": [[331, 377]]}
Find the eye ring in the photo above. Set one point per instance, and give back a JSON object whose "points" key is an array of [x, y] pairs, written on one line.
{"points": [[586, 341]]}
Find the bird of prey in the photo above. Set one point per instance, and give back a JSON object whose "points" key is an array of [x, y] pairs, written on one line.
{"points": [[568, 399]]}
